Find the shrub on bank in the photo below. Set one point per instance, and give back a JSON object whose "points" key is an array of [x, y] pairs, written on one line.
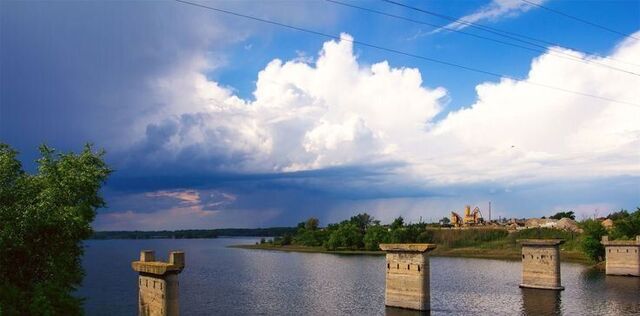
{"points": [[456, 238]]}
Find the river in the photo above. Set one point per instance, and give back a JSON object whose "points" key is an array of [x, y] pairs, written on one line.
{"points": [[219, 280]]}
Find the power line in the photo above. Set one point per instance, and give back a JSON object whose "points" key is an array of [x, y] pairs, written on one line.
{"points": [[580, 19], [511, 35], [542, 49], [395, 51]]}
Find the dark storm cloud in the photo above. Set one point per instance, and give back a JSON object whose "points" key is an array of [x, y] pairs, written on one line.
{"points": [[74, 72], [342, 181]]}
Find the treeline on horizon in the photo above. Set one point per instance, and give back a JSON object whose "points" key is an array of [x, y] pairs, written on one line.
{"points": [[364, 232], [195, 233]]}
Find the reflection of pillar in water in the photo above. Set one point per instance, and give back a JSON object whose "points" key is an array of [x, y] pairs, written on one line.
{"points": [[395, 311], [621, 294], [407, 282], [540, 302]]}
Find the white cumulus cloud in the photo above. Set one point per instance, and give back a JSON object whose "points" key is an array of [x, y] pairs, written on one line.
{"points": [[304, 116], [520, 131], [337, 111]]}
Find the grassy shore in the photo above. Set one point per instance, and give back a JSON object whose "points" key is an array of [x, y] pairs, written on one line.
{"points": [[296, 248], [510, 253]]}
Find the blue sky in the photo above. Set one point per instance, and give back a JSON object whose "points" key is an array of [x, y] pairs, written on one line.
{"points": [[215, 121]]}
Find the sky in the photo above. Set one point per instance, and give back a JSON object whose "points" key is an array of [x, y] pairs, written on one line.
{"points": [[213, 120]]}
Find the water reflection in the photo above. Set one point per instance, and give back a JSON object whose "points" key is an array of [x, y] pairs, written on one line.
{"points": [[618, 294], [540, 302], [621, 293], [621, 285], [592, 275], [394, 311], [230, 281]]}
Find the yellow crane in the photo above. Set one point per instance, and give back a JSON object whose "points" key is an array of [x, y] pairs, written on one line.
{"points": [[470, 217]]}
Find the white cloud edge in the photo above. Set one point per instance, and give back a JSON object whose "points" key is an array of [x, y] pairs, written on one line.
{"points": [[335, 112]]}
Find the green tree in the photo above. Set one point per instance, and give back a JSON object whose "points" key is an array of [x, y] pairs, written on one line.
{"points": [[627, 227], [593, 232], [347, 235], [397, 223], [43, 219], [621, 214], [286, 240], [308, 233], [445, 221], [362, 221], [561, 215], [427, 236], [375, 236], [312, 224]]}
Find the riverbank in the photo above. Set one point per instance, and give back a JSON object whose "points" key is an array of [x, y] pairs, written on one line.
{"points": [[465, 252]]}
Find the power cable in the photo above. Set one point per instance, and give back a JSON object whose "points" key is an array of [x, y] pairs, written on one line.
{"points": [[391, 50], [580, 20], [542, 49], [511, 35]]}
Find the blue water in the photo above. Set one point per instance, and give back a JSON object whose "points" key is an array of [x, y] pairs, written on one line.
{"points": [[219, 280]]}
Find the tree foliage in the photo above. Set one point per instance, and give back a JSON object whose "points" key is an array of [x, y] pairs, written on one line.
{"points": [[626, 226], [43, 219], [375, 236], [593, 232], [560, 215], [363, 221], [311, 224], [308, 234], [397, 223], [621, 214], [347, 235]]}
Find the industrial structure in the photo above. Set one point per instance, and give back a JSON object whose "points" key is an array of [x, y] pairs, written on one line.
{"points": [[158, 283], [407, 282], [541, 264], [623, 256], [470, 218]]}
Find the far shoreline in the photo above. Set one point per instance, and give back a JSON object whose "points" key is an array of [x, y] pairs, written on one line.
{"points": [[467, 252]]}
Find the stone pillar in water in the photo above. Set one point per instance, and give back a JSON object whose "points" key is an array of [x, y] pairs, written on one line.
{"points": [[623, 256], [407, 282], [158, 283], [541, 264]]}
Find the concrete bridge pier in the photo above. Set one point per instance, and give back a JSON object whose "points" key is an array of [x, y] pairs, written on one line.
{"points": [[407, 282], [541, 264], [158, 283], [623, 256]]}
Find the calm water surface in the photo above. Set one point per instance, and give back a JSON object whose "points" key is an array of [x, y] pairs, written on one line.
{"points": [[227, 281]]}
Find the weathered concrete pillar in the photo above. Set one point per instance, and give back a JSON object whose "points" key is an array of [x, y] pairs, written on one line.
{"points": [[158, 283], [541, 264], [407, 282], [623, 256]]}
